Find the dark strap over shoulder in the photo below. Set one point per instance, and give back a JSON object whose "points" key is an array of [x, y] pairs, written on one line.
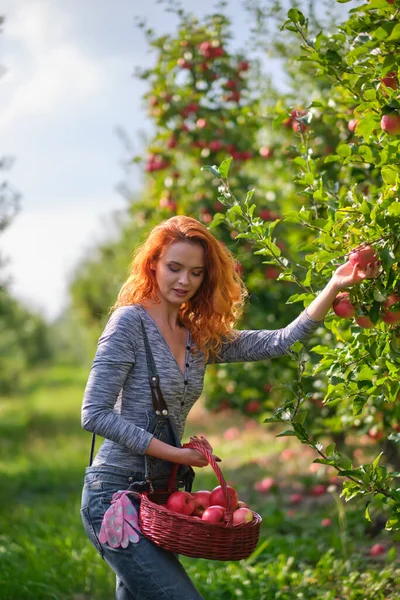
{"points": [[159, 404]]}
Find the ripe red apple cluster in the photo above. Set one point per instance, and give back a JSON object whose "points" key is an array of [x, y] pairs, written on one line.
{"points": [[343, 307], [210, 506]]}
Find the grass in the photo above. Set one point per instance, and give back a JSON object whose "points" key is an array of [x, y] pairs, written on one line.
{"points": [[45, 554]]}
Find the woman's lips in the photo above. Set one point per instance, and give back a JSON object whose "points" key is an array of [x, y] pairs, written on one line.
{"points": [[180, 293]]}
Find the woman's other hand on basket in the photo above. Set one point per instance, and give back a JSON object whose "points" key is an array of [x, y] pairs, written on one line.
{"points": [[204, 442], [192, 458]]}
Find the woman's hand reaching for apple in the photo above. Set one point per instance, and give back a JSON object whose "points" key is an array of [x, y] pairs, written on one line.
{"points": [[362, 264], [350, 274]]}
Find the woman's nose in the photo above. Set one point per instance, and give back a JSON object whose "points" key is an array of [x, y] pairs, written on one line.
{"points": [[183, 278]]}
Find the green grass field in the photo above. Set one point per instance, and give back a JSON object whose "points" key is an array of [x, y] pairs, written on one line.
{"points": [[45, 554]]}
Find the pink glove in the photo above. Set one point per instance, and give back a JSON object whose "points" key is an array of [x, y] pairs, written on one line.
{"points": [[120, 522]]}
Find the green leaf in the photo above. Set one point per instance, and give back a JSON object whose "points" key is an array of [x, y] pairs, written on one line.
{"points": [[287, 432], [235, 210], [213, 170], [217, 220], [358, 404], [224, 167], [292, 216], [301, 416], [395, 35], [299, 298], [296, 16], [366, 373], [249, 195], [376, 461], [343, 150], [394, 209], [367, 515], [389, 174]]}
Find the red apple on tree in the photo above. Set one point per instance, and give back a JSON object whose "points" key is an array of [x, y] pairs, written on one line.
{"points": [[184, 64], [391, 123], [375, 433], [202, 502], [390, 80], [364, 321], [298, 125], [253, 406], [377, 550], [243, 66], [214, 514], [265, 485], [201, 123], [266, 152], [217, 497], [388, 316], [342, 306], [363, 257], [352, 124], [181, 502], [296, 499], [318, 490]]}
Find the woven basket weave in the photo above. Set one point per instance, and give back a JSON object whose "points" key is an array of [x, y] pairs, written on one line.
{"points": [[192, 536]]}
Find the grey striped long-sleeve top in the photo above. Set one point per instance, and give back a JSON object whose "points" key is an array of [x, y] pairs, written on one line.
{"points": [[117, 399]]}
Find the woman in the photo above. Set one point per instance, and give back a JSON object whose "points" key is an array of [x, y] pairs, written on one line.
{"points": [[185, 295]]}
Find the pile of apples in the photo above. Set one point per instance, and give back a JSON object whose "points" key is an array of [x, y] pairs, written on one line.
{"points": [[210, 506], [343, 307]]}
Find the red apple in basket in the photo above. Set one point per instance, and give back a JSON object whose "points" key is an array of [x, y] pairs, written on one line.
{"points": [[242, 515], [181, 502], [202, 502], [214, 514], [217, 497], [242, 504]]}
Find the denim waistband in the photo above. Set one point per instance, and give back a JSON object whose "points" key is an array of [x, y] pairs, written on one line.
{"points": [[117, 472]]}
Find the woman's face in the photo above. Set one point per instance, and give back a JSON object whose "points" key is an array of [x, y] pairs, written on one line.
{"points": [[180, 271]]}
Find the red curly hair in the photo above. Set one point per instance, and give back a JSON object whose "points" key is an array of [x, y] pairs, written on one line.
{"points": [[218, 303]]}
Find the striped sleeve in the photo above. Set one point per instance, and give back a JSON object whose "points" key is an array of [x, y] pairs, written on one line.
{"points": [[115, 356], [248, 346]]}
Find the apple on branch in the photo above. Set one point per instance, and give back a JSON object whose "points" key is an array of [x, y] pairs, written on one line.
{"points": [[362, 256], [391, 123], [389, 316], [342, 306]]}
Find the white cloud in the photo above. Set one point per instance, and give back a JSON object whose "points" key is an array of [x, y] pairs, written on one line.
{"points": [[43, 246], [47, 72]]}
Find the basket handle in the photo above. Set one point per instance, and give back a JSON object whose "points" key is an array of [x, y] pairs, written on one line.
{"points": [[197, 444]]}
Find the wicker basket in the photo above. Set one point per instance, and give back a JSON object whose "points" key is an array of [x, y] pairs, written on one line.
{"points": [[192, 536]]}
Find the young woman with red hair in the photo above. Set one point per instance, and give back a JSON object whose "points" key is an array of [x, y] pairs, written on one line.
{"points": [[182, 299]]}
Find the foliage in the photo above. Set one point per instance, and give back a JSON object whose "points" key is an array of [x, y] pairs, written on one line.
{"points": [[46, 554], [357, 201], [317, 169]]}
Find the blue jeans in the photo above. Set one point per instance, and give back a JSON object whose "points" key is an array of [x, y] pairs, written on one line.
{"points": [[144, 571]]}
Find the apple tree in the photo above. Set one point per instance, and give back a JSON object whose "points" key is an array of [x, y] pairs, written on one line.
{"points": [[350, 209]]}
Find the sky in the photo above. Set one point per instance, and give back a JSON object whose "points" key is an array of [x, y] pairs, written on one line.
{"points": [[68, 88]]}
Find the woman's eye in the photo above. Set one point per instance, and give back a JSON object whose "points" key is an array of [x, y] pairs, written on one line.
{"points": [[177, 270]]}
